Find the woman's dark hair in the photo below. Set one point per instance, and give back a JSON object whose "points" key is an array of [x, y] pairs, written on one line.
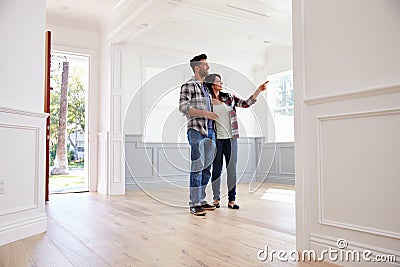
{"points": [[210, 81]]}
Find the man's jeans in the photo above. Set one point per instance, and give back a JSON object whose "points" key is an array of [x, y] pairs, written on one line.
{"points": [[225, 148], [202, 152]]}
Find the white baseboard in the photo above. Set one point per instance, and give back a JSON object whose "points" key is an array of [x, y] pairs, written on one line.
{"points": [[22, 229]]}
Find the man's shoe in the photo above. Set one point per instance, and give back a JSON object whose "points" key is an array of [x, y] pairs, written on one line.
{"points": [[198, 211], [207, 206]]}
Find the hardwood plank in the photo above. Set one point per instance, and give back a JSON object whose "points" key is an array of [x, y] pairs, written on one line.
{"points": [[90, 229], [15, 254], [44, 252], [72, 247]]}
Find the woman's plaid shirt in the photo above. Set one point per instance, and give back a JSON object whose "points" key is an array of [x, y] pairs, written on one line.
{"points": [[192, 96], [232, 102]]}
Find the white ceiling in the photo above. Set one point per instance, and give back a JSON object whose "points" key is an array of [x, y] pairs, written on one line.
{"points": [[86, 14], [251, 26]]}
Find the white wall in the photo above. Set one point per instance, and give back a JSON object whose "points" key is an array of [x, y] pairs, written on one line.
{"points": [[20, 68], [175, 71], [84, 42], [75, 39], [278, 59], [347, 112], [22, 121]]}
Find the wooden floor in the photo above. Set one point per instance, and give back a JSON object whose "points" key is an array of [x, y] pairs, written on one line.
{"points": [[90, 229]]}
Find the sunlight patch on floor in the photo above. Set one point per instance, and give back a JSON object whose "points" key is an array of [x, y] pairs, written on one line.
{"points": [[279, 195]]}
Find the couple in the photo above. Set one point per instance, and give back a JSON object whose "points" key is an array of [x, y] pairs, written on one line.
{"points": [[212, 133]]}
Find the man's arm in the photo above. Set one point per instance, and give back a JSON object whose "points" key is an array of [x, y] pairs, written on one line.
{"points": [[202, 113], [184, 104], [184, 99]]}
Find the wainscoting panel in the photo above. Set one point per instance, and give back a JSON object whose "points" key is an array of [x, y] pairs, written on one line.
{"points": [[117, 160], [276, 162], [117, 68], [286, 158], [139, 159], [117, 113], [268, 159], [357, 165], [247, 160], [173, 161], [22, 142], [164, 165], [19, 138], [353, 169]]}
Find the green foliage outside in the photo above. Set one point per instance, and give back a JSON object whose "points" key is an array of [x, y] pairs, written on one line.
{"points": [[76, 110]]}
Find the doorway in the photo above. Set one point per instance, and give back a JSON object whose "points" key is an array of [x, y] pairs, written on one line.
{"points": [[69, 80]]}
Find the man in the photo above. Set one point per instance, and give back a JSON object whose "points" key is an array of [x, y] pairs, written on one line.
{"points": [[195, 103]]}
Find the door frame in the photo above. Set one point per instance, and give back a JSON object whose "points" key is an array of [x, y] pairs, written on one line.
{"points": [[91, 113]]}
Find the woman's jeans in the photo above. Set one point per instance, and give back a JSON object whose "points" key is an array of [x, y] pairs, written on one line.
{"points": [[225, 148], [202, 152]]}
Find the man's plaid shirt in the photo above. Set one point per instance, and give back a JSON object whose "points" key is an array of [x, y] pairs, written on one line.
{"points": [[233, 101], [192, 96]]}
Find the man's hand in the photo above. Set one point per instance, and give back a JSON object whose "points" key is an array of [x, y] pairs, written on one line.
{"points": [[210, 115]]}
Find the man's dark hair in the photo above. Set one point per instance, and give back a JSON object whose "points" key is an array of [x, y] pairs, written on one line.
{"points": [[210, 81], [196, 60]]}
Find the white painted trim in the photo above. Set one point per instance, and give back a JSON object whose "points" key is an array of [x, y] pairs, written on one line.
{"points": [[22, 229], [359, 228], [353, 95], [370, 113], [74, 50], [122, 4], [117, 119], [216, 14], [117, 68], [103, 163], [302, 162], [92, 108], [331, 242], [23, 112], [321, 218], [126, 21], [117, 162], [20, 209], [160, 52]]}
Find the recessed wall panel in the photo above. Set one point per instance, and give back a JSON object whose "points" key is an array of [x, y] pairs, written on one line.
{"points": [[287, 160], [173, 161], [359, 157], [117, 157], [268, 160], [18, 172], [117, 114]]}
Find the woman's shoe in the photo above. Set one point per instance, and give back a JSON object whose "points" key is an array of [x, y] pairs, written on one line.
{"points": [[216, 204], [233, 206]]}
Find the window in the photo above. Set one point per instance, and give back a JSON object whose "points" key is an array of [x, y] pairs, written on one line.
{"points": [[280, 98]]}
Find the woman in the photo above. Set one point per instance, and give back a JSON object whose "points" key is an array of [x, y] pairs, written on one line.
{"points": [[224, 105]]}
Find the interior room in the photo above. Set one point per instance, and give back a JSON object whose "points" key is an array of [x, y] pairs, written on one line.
{"points": [[317, 144]]}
